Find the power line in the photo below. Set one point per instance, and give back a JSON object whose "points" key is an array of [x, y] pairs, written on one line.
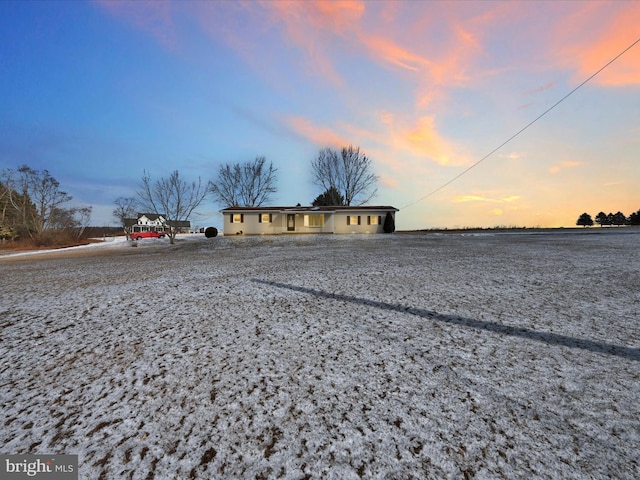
{"points": [[525, 127]]}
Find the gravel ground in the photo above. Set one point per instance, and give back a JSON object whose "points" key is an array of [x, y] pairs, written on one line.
{"points": [[384, 356]]}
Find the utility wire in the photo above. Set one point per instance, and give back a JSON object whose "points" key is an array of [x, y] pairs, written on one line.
{"points": [[523, 128]]}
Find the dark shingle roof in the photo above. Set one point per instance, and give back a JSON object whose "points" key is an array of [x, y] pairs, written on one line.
{"points": [[330, 208], [152, 216]]}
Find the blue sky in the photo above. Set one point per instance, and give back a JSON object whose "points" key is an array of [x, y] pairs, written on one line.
{"points": [[98, 92]]}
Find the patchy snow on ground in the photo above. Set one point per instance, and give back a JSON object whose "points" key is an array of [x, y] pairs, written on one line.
{"points": [[383, 356]]}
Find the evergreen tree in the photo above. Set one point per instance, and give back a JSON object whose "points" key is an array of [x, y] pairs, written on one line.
{"points": [[609, 218], [585, 220], [619, 219], [602, 219], [389, 224], [330, 197]]}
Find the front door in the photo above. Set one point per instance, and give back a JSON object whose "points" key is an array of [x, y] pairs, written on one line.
{"points": [[291, 222]]}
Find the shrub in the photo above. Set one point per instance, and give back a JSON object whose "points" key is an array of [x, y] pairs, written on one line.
{"points": [[389, 224], [55, 238], [211, 232]]}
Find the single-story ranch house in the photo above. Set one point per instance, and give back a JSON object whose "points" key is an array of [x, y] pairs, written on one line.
{"points": [[283, 220]]}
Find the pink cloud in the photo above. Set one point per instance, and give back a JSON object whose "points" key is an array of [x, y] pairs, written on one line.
{"points": [[418, 139], [596, 33], [325, 30], [314, 26], [334, 15], [323, 137], [390, 52], [411, 47]]}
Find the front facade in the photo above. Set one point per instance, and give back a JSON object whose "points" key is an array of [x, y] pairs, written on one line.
{"points": [[284, 220], [150, 222]]}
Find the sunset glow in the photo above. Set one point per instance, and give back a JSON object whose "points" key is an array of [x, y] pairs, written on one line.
{"points": [[98, 92]]}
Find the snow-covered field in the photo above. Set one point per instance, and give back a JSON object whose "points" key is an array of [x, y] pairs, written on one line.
{"points": [[384, 356]]}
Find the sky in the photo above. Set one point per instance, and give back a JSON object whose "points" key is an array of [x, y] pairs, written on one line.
{"points": [[99, 92]]}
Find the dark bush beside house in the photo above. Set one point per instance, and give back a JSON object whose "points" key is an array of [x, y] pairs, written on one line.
{"points": [[389, 224], [211, 232]]}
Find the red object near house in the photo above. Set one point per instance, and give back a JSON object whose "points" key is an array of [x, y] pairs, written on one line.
{"points": [[139, 235]]}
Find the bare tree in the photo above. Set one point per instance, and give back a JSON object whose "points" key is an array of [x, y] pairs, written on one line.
{"points": [[5, 205], [226, 188], [125, 208], [45, 193], [5, 193], [350, 173], [36, 197], [171, 197], [83, 217], [250, 184], [31, 203], [73, 220], [18, 209], [8, 212]]}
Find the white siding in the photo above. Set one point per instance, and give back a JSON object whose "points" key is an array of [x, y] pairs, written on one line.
{"points": [[343, 227], [251, 225], [302, 228], [334, 222]]}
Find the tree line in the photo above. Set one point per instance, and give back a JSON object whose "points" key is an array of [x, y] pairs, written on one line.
{"points": [[609, 219], [32, 207], [32, 203]]}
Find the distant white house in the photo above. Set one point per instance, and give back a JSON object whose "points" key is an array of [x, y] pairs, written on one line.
{"points": [[148, 222], [283, 220]]}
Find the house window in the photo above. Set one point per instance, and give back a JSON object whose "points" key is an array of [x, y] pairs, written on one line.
{"points": [[374, 220], [265, 218], [353, 220], [237, 217], [314, 220]]}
